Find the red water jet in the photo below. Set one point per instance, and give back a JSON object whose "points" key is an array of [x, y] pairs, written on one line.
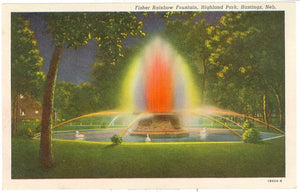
{"points": [[159, 86]]}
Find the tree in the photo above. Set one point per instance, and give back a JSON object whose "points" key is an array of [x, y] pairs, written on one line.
{"points": [[75, 30], [107, 79], [63, 100], [26, 62], [73, 100], [187, 31], [86, 99], [247, 51]]}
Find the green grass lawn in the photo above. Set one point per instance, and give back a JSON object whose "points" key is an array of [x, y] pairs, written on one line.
{"points": [[75, 159]]}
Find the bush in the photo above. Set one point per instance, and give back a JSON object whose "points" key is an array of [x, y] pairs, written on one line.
{"points": [[29, 132], [116, 140], [251, 136], [247, 124]]}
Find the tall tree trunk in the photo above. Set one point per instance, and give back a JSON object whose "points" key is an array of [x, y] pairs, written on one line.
{"points": [[269, 113], [265, 110], [281, 125], [15, 115], [46, 132], [203, 91]]}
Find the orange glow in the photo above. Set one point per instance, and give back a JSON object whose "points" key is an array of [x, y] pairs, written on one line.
{"points": [[159, 86]]}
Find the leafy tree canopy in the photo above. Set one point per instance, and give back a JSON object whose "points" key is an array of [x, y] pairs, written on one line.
{"points": [[26, 61], [108, 29]]}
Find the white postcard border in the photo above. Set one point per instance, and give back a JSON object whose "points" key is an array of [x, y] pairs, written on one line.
{"points": [[162, 183]]}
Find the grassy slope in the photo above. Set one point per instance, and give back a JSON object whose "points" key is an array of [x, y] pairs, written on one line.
{"points": [[101, 160]]}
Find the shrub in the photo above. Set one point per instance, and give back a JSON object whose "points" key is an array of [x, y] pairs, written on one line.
{"points": [[116, 140], [247, 124], [251, 136], [29, 132]]}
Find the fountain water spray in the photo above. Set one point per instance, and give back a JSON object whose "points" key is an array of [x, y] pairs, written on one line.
{"points": [[159, 81]]}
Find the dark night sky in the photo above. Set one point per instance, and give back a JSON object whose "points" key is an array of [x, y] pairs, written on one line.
{"points": [[76, 64]]}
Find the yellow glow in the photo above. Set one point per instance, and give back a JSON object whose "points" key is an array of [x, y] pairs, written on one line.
{"points": [[141, 61], [126, 101]]}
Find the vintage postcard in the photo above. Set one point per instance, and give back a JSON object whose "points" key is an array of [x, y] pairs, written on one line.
{"points": [[149, 96]]}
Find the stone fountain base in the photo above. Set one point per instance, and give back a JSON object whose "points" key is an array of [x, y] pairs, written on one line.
{"points": [[160, 125]]}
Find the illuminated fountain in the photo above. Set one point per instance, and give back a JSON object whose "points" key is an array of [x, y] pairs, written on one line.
{"points": [[159, 99], [159, 81], [160, 84]]}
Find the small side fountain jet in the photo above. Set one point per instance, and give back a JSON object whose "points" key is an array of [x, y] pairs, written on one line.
{"points": [[203, 134], [148, 138], [203, 131], [78, 135]]}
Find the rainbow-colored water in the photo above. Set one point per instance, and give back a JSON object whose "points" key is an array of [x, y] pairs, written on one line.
{"points": [[159, 81]]}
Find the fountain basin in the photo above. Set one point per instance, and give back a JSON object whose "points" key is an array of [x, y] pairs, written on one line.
{"points": [[190, 135]]}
